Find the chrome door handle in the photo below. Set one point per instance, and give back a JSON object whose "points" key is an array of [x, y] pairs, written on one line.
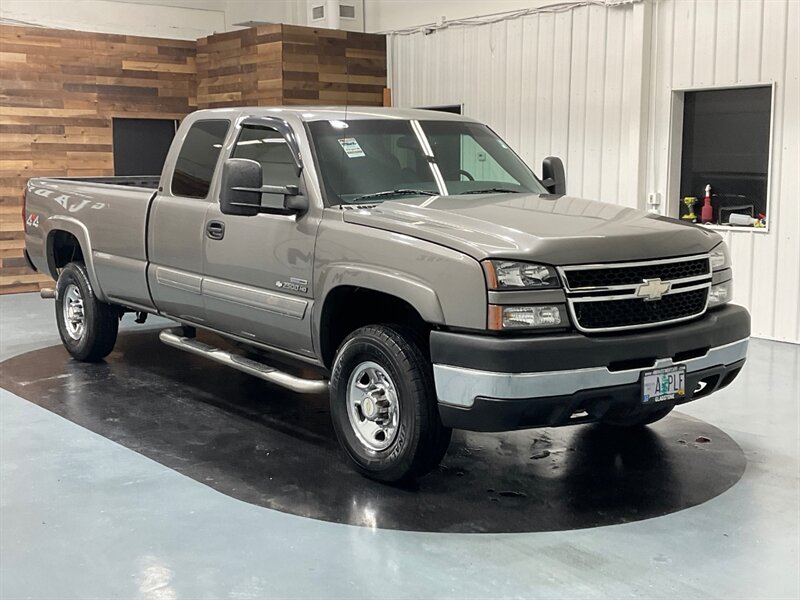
{"points": [[215, 230]]}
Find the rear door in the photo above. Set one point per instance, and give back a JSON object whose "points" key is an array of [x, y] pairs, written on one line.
{"points": [[258, 274], [177, 223]]}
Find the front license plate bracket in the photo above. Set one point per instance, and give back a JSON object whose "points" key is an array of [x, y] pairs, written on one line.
{"points": [[663, 385]]}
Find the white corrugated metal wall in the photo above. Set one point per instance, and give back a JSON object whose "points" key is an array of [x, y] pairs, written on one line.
{"points": [[595, 85], [707, 43], [536, 81]]}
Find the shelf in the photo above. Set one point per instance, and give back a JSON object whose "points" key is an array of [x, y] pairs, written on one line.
{"points": [[736, 228]]}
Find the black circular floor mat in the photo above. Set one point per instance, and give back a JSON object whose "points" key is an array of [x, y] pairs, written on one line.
{"points": [[276, 449]]}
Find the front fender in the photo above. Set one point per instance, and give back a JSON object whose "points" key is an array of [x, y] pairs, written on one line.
{"points": [[445, 286], [405, 286]]}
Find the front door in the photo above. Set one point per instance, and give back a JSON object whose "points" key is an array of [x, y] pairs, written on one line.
{"points": [[258, 269]]}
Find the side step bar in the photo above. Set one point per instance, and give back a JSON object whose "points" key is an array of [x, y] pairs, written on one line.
{"points": [[47, 293], [175, 338]]}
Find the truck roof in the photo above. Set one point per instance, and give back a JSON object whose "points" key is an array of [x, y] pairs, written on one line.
{"points": [[331, 113]]}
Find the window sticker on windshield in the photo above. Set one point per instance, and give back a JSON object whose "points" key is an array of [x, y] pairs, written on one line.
{"points": [[351, 147]]}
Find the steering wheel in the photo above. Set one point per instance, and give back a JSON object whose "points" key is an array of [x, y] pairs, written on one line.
{"points": [[466, 174]]}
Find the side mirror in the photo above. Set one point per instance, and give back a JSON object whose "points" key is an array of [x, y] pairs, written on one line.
{"points": [[553, 176], [293, 200], [240, 193]]}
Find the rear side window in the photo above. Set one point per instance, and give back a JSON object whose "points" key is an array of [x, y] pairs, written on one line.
{"points": [[197, 159]]}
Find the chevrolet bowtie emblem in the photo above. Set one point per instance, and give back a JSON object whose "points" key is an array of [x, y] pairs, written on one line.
{"points": [[653, 289]]}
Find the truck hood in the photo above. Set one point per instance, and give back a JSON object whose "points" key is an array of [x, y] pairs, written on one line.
{"points": [[559, 230]]}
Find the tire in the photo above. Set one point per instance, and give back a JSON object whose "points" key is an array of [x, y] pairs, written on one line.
{"points": [[90, 337], [639, 419], [385, 364]]}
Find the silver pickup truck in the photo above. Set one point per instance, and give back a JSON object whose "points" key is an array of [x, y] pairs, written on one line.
{"points": [[406, 262]]}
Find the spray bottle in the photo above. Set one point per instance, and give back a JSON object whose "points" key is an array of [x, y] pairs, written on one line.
{"points": [[707, 212]]}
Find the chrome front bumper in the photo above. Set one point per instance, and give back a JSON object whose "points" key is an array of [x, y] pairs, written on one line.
{"points": [[459, 386]]}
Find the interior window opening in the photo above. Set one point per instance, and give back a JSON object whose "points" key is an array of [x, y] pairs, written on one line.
{"points": [[725, 156]]}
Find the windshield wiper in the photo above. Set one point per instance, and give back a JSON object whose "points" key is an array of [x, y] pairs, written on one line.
{"points": [[494, 190], [387, 193]]}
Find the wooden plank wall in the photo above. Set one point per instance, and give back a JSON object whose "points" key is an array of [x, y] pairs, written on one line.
{"points": [[290, 65], [240, 68], [328, 66], [58, 93]]}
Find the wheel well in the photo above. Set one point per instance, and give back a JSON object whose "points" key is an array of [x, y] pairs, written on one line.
{"points": [[62, 249], [347, 308]]}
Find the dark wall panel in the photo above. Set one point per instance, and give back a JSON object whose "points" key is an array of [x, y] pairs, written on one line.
{"points": [[141, 145]]}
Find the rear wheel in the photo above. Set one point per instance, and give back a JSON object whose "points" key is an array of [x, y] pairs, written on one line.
{"points": [[88, 327], [384, 406], [639, 419]]}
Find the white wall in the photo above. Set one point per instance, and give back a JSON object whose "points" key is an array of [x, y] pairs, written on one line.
{"points": [[559, 84], [595, 85], [388, 15], [176, 19], [271, 11], [702, 43]]}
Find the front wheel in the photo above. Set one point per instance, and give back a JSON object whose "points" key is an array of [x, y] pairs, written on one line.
{"points": [[88, 327], [384, 407]]}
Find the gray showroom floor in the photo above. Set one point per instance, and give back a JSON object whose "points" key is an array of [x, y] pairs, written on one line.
{"points": [[84, 517]]}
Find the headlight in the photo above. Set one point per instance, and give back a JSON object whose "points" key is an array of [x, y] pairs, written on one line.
{"points": [[516, 317], [513, 275], [720, 293], [720, 257]]}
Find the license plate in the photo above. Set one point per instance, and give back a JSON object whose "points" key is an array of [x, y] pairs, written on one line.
{"points": [[662, 385]]}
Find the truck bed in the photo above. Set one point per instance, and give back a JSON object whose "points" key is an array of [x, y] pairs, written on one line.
{"points": [[108, 215]]}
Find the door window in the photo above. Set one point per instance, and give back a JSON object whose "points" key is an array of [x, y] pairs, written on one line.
{"points": [[197, 160], [269, 148]]}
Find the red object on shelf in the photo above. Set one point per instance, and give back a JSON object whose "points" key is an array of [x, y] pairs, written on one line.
{"points": [[707, 212]]}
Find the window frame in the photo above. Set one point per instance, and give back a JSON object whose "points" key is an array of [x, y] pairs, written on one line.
{"points": [[675, 149]]}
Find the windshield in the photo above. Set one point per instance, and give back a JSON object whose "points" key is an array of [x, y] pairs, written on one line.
{"points": [[369, 161]]}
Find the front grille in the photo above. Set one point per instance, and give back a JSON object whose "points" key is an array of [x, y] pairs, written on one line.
{"points": [[639, 294], [635, 274], [609, 314]]}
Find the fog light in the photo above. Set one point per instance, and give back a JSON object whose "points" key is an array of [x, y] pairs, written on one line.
{"points": [[720, 294], [516, 317]]}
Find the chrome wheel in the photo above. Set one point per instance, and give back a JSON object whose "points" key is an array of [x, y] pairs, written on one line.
{"points": [[72, 307], [373, 406]]}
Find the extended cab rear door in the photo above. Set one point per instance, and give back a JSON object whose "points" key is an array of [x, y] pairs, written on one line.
{"points": [[178, 218], [258, 269]]}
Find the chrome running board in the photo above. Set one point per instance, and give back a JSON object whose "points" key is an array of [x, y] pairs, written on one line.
{"points": [[176, 339]]}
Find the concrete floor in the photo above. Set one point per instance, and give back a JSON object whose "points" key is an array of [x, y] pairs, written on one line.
{"points": [[81, 516]]}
